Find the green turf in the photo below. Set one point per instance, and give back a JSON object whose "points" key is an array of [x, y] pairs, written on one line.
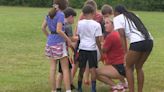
{"points": [[24, 68]]}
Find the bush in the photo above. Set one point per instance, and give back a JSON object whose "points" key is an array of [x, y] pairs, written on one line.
{"points": [[149, 5]]}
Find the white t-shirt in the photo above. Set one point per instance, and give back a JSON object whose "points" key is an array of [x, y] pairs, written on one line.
{"points": [[88, 30], [131, 31]]}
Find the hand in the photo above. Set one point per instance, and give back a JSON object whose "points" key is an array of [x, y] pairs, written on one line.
{"points": [[69, 42], [125, 59], [102, 59]]}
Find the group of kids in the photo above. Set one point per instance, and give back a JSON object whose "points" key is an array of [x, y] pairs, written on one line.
{"points": [[97, 37]]}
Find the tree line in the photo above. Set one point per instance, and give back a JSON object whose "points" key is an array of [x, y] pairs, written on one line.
{"points": [[148, 5]]}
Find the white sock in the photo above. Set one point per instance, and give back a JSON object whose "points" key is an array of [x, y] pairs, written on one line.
{"points": [[53, 91], [68, 90]]}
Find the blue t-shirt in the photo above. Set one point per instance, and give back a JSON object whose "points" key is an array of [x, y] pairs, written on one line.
{"points": [[52, 25]]}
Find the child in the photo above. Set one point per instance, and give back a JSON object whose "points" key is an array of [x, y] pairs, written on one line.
{"points": [[89, 32], [56, 42], [69, 20], [141, 44], [114, 59], [97, 17], [107, 12]]}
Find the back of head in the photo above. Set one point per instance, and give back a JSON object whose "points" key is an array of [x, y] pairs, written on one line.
{"points": [[120, 9], [69, 12], [88, 9], [106, 9], [92, 3], [62, 4], [57, 4]]}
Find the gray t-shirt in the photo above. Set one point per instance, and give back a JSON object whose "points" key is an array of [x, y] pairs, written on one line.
{"points": [[68, 29]]}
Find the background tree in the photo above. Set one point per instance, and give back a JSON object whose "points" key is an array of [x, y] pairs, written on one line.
{"points": [[148, 5]]}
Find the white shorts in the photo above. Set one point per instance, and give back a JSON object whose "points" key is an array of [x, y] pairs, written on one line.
{"points": [[56, 51]]}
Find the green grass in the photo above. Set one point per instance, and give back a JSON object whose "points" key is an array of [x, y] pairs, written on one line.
{"points": [[24, 68]]}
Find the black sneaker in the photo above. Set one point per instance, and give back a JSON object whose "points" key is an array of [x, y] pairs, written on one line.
{"points": [[80, 90], [72, 87], [58, 90]]}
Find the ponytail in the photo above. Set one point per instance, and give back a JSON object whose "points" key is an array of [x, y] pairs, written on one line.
{"points": [[52, 12], [133, 18], [138, 23], [57, 4]]}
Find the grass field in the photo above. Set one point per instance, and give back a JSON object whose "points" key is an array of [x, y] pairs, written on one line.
{"points": [[24, 68]]}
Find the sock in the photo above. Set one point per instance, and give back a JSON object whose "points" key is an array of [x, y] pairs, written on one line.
{"points": [[93, 86], [58, 89], [68, 90], [53, 91], [79, 84], [72, 87]]}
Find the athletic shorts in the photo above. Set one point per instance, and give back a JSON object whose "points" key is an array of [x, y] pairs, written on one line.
{"points": [[60, 69], [142, 46], [120, 68], [57, 51], [88, 56]]}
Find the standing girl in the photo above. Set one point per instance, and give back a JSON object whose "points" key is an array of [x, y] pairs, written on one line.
{"points": [[141, 44], [56, 42]]}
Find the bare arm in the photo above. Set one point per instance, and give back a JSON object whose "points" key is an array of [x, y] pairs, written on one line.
{"points": [[61, 33], [75, 37], [99, 44], [123, 39], [44, 26]]}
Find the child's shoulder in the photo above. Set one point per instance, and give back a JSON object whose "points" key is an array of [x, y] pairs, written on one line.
{"points": [[95, 22], [60, 13]]}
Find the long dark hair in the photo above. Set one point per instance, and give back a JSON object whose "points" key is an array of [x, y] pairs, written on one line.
{"points": [[131, 17], [61, 4]]}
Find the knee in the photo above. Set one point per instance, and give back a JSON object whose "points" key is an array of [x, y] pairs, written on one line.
{"points": [[138, 68], [97, 71], [53, 69], [129, 67], [81, 72]]}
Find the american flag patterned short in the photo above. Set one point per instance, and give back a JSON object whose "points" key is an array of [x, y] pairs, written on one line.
{"points": [[56, 51]]}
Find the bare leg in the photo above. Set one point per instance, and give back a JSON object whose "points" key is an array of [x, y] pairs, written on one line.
{"points": [[93, 79], [66, 72], [59, 80], [52, 74], [80, 78], [93, 74], [106, 73], [140, 73], [131, 58], [105, 80], [86, 74], [74, 69], [81, 72]]}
